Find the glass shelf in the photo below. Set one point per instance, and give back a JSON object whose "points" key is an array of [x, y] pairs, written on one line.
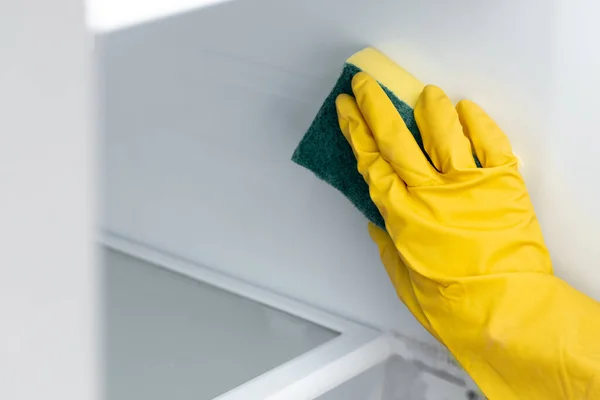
{"points": [[170, 336]]}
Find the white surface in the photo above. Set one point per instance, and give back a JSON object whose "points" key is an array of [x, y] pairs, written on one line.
{"points": [[338, 372], [105, 15], [169, 336], [203, 111], [47, 280], [405, 370], [397, 379]]}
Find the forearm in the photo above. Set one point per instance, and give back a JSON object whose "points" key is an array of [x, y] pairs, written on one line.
{"points": [[521, 335]]}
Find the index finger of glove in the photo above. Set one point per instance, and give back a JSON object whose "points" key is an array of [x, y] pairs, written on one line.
{"points": [[395, 142], [385, 186]]}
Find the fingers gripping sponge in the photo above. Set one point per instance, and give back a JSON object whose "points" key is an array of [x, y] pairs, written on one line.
{"points": [[324, 150]]}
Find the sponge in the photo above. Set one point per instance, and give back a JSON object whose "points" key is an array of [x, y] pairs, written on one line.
{"points": [[324, 150]]}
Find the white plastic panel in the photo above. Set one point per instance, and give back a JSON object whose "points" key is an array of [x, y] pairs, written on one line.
{"points": [[399, 379], [203, 110]]}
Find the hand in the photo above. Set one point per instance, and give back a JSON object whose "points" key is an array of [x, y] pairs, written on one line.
{"points": [[465, 250], [449, 219]]}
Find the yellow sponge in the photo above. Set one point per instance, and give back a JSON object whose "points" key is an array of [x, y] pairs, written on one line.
{"points": [[324, 150]]}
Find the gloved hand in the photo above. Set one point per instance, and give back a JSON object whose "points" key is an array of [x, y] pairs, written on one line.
{"points": [[465, 250]]}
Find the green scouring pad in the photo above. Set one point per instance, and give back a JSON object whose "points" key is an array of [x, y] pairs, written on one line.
{"points": [[325, 151]]}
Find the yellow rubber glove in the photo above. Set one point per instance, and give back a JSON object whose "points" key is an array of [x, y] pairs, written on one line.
{"points": [[465, 250]]}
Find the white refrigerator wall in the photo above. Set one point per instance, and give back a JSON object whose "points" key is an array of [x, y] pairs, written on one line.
{"points": [[48, 286], [203, 110]]}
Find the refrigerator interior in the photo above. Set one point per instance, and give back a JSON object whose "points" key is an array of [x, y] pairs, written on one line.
{"points": [[201, 111]]}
